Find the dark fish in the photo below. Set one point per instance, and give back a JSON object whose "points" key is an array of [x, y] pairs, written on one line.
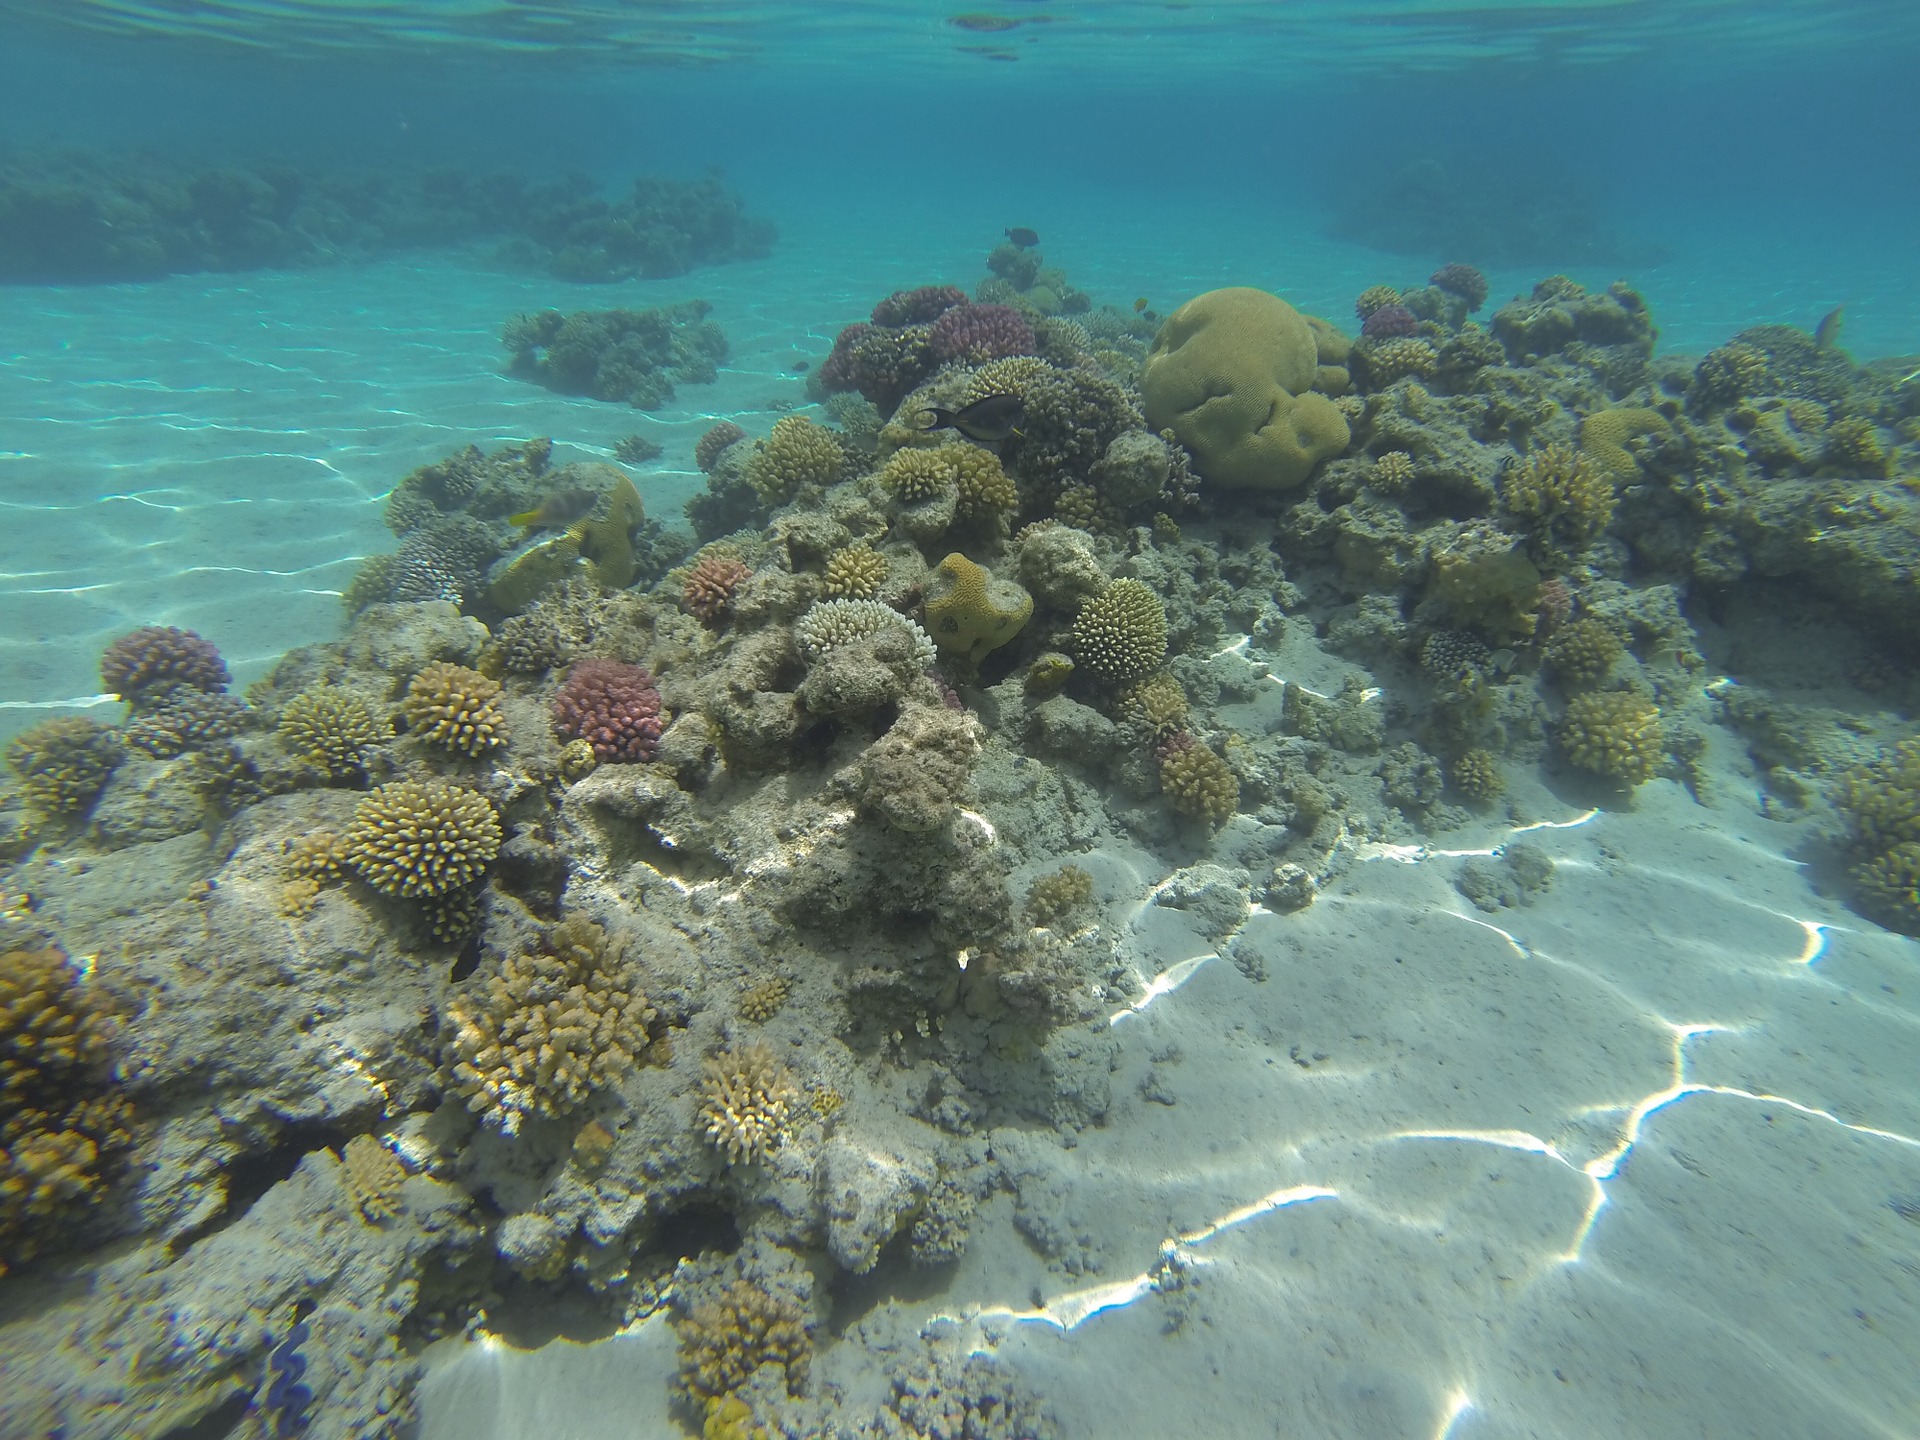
{"points": [[800, 367], [1140, 305], [981, 22], [1026, 239], [994, 418], [558, 511], [1827, 333]]}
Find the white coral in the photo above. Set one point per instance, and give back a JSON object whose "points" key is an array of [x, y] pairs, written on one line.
{"points": [[829, 624]]}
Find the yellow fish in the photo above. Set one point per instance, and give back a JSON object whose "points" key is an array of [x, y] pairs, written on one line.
{"points": [[559, 511]]}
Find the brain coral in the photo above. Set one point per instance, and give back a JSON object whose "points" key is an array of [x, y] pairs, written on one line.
{"points": [[798, 453], [724, 1340], [1121, 633], [613, 706], [422, 839], [62, 764], [747, 1103], [453, 707], [969, 612], [551, 1026], [1231, 374], [978, 333], [160, 655], [331, 729], [1614, 733]]}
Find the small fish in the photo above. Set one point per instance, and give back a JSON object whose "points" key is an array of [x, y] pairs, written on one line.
{"points": [[1026, 239], [1140, 305], [800, 367], [1827, 333], [558, 511], [994, 418]]}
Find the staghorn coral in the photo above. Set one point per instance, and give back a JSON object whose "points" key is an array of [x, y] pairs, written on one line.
{"points": [[62, 764], [183, 718], [422, 839], [158, 656], [452, 707], [613, 706], [373, 1176], [762, 1000], [1582, 653], [1052, 898], [331, 729], [970, 612], [978, 333], [548, 1028], [707, 592], [1604, 435], [63, 1127], [726, 1338], [1614, 733], [1197, 781], [856, 573], [747, 1103], [1476, 776], [1462, 280], [798, 453], [706, 450], [1121, 633], [829, 624], [1564, 499], [1157, 704]]}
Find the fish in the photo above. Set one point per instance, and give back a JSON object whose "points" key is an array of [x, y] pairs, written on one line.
{"points": [[1140, 305], [557, 512], [992, 418], [1026, 239], [1827, 333]]}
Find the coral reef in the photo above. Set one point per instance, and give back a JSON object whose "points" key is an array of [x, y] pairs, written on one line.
{"points": [[331, 729], [1561, 497], [62, 764], [1461, 280], [976, 334], [1121, 633], [970, 612], [422, 839], [1880, 802], [183, 718], [919, 306], [748, 1103], [373, 1176], [156, 657], [798, 453], [1475, 774], [1582, 654], [1604, 436], [1055, 896], [1615, 733], [613, 706], [453, 708], [831, 624], [727, 1337]]}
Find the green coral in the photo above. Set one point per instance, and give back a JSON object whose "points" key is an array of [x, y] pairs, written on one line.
{"points": [[332, 729], [62, 764], [1563, 498], [798, 453], [1121, 633], [1614, 733], [422, 840], [1604, 436]]}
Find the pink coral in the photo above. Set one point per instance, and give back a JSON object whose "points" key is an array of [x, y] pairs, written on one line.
{"points": [[1390, 322], [613, 706], [1462, 280], [160, 657], [708, 592], [918, 306], [977, 333], [706, 450]]}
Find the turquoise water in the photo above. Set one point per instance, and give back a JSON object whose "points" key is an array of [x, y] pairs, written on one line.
{"points": [[1640, 1156]]}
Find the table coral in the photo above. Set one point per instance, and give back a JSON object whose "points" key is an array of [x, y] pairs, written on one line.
{"points": [[1614, 733], [452, 707], [422, 839], [62, 764], [155, 656], [1121, 633], [969, 611], [549, 1027], [612, 705], [1563, 498], [1231, 373], [332, 729], [798, 453], [726, 1338], [747, 1103]]}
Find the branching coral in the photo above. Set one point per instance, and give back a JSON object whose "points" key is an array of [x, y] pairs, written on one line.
{"points": [[1392, 473], [798, 453], [1880, 801], [1121, 633], [332, 729], [527, 645], [452, 707], [918, 306], [1476, 775], [706, 450], [747, 1103], [62, 764], [829, 624], [725, 1339], [156, 656], [1197, 781], [1375, 297], [1562, 497], [1614, 733], [1582, 653], [856, 573], [550, 1026], [708, 589], [613, 706], [1157, 704], [373, 1178], [1388, 360], [978, 333], [421, 839], [763, 999], [183, 719], [1729, 374], [1052, 898], [1462, 280]]}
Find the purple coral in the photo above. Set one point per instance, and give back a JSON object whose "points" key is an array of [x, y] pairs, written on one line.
{"points": [[613, 706], [706, 451], [977, 333], [1390, 322], [160, 657], [1462, 280], [918, 306]]}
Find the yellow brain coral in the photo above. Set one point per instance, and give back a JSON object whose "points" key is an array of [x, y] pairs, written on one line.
{"points": [[1614, 733], [331, 729], [1604, 436], [1562, 497], [1121, 633], [1231, 373], [453, 707], [798, 453], [422, 839], [969, 612], [747, 1103]]}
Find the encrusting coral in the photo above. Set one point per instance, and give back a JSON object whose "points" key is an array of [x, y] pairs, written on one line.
{"points": [[452, 707], [613, 706], [1121, 633], [747, 1103], [725, 1339], [970, 612], [1614, 733], [548, 1028], [332, 729], [62, 764], [422, 839], [798, 453]]}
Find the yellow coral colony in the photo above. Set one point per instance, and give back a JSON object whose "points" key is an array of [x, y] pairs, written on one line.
{"points": [[1614, 733], [452, 707], [421, 840], [747, 1102], [1604, 436], [1121, 633], [969, 612]]}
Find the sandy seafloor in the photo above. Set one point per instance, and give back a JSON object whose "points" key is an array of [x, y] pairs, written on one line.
{"points": [[1623, 1162]]}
